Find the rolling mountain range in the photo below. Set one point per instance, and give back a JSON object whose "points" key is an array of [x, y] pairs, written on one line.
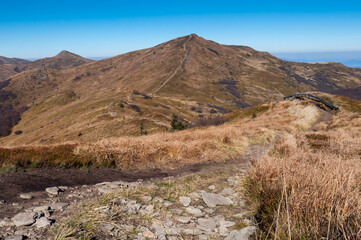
{"points": [[66, 100]]}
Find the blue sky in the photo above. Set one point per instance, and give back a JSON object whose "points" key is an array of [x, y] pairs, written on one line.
{"points": [[34, 29]]}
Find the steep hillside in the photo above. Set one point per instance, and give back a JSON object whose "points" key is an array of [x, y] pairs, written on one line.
{"points": [[188, 76]]}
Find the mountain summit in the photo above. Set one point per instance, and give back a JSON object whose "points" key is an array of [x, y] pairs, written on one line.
{"points": [[190, 76]]}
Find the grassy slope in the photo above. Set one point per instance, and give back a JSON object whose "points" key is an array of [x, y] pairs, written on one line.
{"points": [[205, 76]]}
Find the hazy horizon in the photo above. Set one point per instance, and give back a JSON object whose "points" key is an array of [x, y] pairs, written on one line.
{"points": [[347, 58]]}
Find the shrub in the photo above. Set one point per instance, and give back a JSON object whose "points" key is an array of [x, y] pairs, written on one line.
{"points": [[177, 124]]}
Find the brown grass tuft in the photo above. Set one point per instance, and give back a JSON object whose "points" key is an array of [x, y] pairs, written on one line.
{"points": [[322, 172]]}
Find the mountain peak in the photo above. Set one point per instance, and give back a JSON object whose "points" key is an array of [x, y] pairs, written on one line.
{"points": [[65, 53]]}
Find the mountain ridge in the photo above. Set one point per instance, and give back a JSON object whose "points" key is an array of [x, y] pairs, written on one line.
{"points": [[190, 76]]}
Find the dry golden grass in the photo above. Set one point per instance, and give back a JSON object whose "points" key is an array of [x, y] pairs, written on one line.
{"points": [[199, 145], [176, 149], [309, 186]]}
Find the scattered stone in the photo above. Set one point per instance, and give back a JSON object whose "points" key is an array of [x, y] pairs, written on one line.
{"points": [[177, 211], [226, 224], [167, 203], [24, 219], [107, 227], [212, 187], [194, 211], [41, 208], [223, 231], [183, 219], [150, 235], [212, 200], [185, 201], [42, 222], [172, 231], [147, 210], [16, 237], [227, 192], [194, 195], [244, 233], [206, 224], [26, 196], [209, 210], [53, 190], [190, 231], [59, 206]]}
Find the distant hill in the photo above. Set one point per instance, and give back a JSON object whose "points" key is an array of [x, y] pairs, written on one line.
{"points": [[13, 61], [188, 76], [63, 60]]}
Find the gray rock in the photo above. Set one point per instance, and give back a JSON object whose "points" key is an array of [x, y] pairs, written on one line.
{"points": [[183, 219], [185, 201], [107, 227], [227, 192], [206, 224], [172, 231], [59, 206], [147, 210], [104, 189], [190, 231], [209, 210], [53, 190], [212, 187], [194, 211], [16, 237], [223, 231], [24, 219], [42, 222], [226, 223], [213, 200], [243, 234], [27, 196], [194, 195], [167, 203], [41, 208]]}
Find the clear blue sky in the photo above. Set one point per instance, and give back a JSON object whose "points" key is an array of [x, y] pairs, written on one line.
{"points": [[34, 29]]}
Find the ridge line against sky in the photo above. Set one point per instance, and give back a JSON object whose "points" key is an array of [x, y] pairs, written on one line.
{"points": [[37, 29]]}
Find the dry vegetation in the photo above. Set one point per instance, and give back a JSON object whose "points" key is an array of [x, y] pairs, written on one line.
{"points": [[166, 150], [308, 187]]}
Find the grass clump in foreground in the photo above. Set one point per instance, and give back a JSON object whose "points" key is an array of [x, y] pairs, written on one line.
{"points": [[308, 191]]}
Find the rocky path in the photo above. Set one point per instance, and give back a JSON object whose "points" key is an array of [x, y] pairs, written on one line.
{"points": [[208, 204]]}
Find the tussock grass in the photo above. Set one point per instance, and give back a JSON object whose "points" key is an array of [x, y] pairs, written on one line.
{"points": [[308, 187]]}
